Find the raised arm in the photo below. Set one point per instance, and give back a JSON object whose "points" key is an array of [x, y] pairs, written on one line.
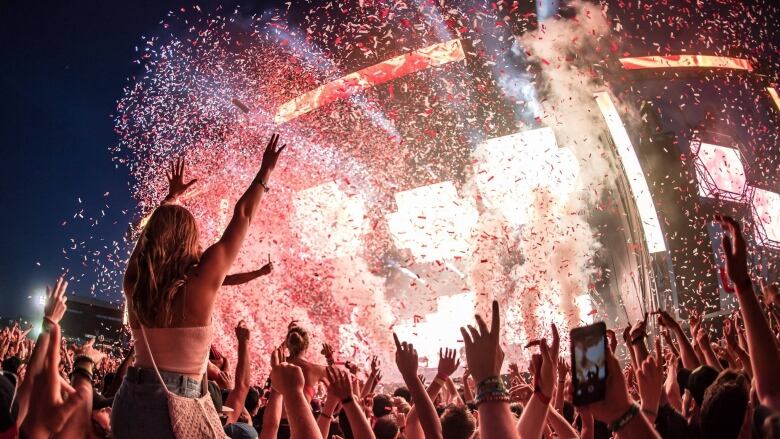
{"points": [[534, 415], [218, 258], [54, 309], [485, 357], [760, 340], [340, 386], [237, 396], [447, 366], [287, 379], [407, 361], [687, 353], [242, 278]]}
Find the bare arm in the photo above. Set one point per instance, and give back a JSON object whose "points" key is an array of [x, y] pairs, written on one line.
{"points": [[237, 396], [242, 278], [760, 340], [329, 408], [218, 258], [687, 353], [407, 361], [272, 416], [561, 426]]}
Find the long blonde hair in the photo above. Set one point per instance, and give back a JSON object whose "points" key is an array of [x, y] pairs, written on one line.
{"points": [[165, 253]]}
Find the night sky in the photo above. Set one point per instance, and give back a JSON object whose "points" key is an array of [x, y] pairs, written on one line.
{"points": [[64, 65]]}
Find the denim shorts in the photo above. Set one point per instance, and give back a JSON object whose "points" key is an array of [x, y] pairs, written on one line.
{"points": [[140, 409]]}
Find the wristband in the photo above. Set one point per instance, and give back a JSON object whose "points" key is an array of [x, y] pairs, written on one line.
{"points": [[261, 183], [636, 339], [49, 321], [544, 398], [346, 400], [625, 418], [78, 370], [493, 398]]}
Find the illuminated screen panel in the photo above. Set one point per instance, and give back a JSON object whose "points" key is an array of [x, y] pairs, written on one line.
{"points": [[434, 330], [720, 173], [773, 93], [510, 168], [433, 222], [402, 65], [636, 177], [685, 61], [329, 222], [765, 207]]}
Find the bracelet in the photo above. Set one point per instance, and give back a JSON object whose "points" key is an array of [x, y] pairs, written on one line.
{"points": [[544, 398], [499, 397], [261, 183], [625, 418], [49, 321], [78, 370], [490, 385], [346, 400]]}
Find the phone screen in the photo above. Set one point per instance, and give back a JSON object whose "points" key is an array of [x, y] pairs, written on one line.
{"points": [[589, 363]]}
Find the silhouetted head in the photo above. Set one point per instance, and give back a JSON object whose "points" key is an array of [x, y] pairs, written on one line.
{"points": [[297, 340], [457, 423], [724, 406], [165, 253]]}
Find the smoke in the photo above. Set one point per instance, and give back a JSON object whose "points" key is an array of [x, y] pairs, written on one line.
{"points": [[555, 246]]}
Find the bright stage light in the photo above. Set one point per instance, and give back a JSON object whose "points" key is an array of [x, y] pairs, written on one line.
{"points": [[765, 206], [439, 329], [773, 93], [510, 168], [719, 172], [329, 222], [636, 178], [685, 61], [433, 222], [388, 70]]}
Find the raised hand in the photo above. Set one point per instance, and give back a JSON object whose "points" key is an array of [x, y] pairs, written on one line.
{"points": [[650, 377], [730, 333], [406, 358], [483, 349], [327, 352], [88, 350], [375, 365], [544, 368], [55, 402], [267, 268], [339, 384], [286, 378], [447, 363], [56, 301], [270, 156], [242, 332], [734, 251], [176, 184]]}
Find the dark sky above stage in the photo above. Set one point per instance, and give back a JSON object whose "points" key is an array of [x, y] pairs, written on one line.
{"points": [[64, 65]]}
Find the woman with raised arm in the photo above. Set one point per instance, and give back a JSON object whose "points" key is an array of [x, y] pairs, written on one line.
{"points": [[297, 343], [170, 288]]}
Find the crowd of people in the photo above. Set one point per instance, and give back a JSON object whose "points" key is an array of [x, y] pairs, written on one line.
{"points": [[681, 382]]}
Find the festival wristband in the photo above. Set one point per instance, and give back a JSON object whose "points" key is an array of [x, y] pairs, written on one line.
{"points": [[625, 418], [346, 400], [48, 321], [542, 397], [78, 370]]}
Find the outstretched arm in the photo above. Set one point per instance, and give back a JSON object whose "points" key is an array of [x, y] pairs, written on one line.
{"points": [[687, 353], [761, 346], [237, 396], [242, 278], [218, 258], [407, 361]]}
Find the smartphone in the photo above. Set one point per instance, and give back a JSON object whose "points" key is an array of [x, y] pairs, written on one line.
{"points": [[589, 363]]}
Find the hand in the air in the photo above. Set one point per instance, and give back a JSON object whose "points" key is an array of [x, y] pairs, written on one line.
{"points": [[175, 175]]}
